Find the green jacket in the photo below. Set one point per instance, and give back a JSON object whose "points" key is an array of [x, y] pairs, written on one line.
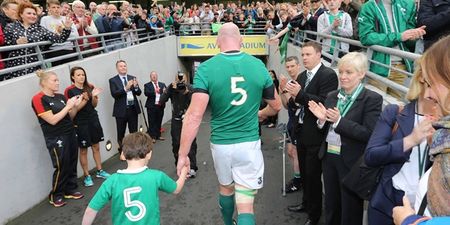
{"points": [[374, 29]]}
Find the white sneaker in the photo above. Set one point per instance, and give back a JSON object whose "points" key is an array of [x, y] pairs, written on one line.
{"points": [[192, 173]]}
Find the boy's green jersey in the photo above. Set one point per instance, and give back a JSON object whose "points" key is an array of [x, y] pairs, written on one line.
{"points": [[134, 196], [235, 84]]}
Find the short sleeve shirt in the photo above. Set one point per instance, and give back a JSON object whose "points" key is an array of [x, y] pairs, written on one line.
{"points": [[134, 196], [88, 111], [235, 84], [41, 104]]}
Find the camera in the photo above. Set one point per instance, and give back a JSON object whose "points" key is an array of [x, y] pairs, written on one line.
{"points": [[117, 14], [180, 76]]}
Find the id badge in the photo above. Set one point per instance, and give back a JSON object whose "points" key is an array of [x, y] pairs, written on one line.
{"points": [[130, 98], [301, 114], [157, 98], [334, 142]]}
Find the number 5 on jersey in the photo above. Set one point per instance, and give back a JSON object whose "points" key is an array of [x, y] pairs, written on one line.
{"points": [[129, 203], [237, 90]]}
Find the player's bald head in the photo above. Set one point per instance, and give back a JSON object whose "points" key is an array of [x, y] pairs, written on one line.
{"points": [[229, 30], [229, 37]]}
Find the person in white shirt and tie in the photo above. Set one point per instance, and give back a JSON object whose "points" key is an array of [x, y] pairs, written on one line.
{"points": [[124, 89], [155, 108]]}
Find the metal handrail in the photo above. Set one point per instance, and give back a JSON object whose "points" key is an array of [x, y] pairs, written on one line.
{"points": [[369, 50], [80, 54]]}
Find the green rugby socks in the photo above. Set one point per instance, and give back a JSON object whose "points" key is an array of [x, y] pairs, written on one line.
{"points": [[226, 204], [246, 219]]}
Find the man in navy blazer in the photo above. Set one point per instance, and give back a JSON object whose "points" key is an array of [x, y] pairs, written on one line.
{"points": [[155, 108], [312, 84], [124, 89]]}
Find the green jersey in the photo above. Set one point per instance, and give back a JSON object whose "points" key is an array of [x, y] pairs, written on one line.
{"points": [[235, 84], [134, 195]]}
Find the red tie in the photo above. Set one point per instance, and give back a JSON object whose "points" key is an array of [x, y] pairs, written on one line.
{"points": [[156, 87]]}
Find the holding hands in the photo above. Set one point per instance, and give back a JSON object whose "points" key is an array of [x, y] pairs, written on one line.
{"points": [[183, 163]]}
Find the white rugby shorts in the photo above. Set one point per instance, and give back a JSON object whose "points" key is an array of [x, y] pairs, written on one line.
{"points": [[242, 163]]}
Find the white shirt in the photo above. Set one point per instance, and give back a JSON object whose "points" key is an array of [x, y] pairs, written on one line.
{"points": [[407, 179]]}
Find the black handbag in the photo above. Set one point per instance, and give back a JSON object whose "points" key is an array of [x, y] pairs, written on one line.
{"points": [[362, 179]]}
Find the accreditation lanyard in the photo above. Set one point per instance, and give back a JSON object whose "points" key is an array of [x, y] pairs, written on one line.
{"points": [[344, 103], [421, 155]]}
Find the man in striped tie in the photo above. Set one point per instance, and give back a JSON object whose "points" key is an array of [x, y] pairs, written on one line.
{"points": [[313, 84]]}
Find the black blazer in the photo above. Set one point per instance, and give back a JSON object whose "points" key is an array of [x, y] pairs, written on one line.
{"points": [[120, 96], [149, 91], [324, 81], [356, 126]]}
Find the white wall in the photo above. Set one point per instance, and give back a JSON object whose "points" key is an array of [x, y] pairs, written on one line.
{"points": [[25, 163]]}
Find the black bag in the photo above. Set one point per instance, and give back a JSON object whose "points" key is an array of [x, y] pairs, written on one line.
{"points": [[362, 179]]}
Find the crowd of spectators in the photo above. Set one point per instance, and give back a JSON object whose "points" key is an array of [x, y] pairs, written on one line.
{"points": [[355, 19]]}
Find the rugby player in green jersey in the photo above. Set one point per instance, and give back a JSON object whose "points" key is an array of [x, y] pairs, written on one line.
{"points": [[233, 84]]}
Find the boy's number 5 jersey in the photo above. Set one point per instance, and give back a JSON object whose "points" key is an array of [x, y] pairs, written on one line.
{"points": [[134, 196]]}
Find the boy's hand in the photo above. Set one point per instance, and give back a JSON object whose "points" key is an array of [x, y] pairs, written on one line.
{"points": [[184, 171]]}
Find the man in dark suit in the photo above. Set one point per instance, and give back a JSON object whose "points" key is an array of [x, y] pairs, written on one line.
{"points": [[155, 108], [124, 89], [313, 84]]}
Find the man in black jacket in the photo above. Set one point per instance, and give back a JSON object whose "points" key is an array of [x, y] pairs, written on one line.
{"points": [[435, 15], [180, 93], [313, 84], [124, 89], [155, 107]]}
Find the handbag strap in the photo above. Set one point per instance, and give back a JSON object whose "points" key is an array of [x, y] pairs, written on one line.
{"points": [[423, 205], [395, 127]]}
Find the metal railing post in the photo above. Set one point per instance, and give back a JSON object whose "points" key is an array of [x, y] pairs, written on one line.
{"points": [[102, 39], [77, 49], [40, 57]]}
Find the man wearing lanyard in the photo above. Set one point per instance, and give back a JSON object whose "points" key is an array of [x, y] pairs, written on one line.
{"points": [[155, 108], [313, 84], [124, 89]]}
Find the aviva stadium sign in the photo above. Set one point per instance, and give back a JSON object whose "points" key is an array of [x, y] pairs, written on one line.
{"points": [[206, 45]]}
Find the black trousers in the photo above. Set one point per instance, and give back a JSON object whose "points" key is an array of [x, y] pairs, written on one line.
{"points": [[175, 132], [131, 118], [311, 171], [64, 154], [155, 115], [341, 205]]}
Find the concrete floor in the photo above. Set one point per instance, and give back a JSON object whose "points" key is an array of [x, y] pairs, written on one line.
{"points": [[197, 204]]}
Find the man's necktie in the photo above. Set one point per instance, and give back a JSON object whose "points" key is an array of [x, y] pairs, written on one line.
{"points": [[124, 79], [309, 76]]}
